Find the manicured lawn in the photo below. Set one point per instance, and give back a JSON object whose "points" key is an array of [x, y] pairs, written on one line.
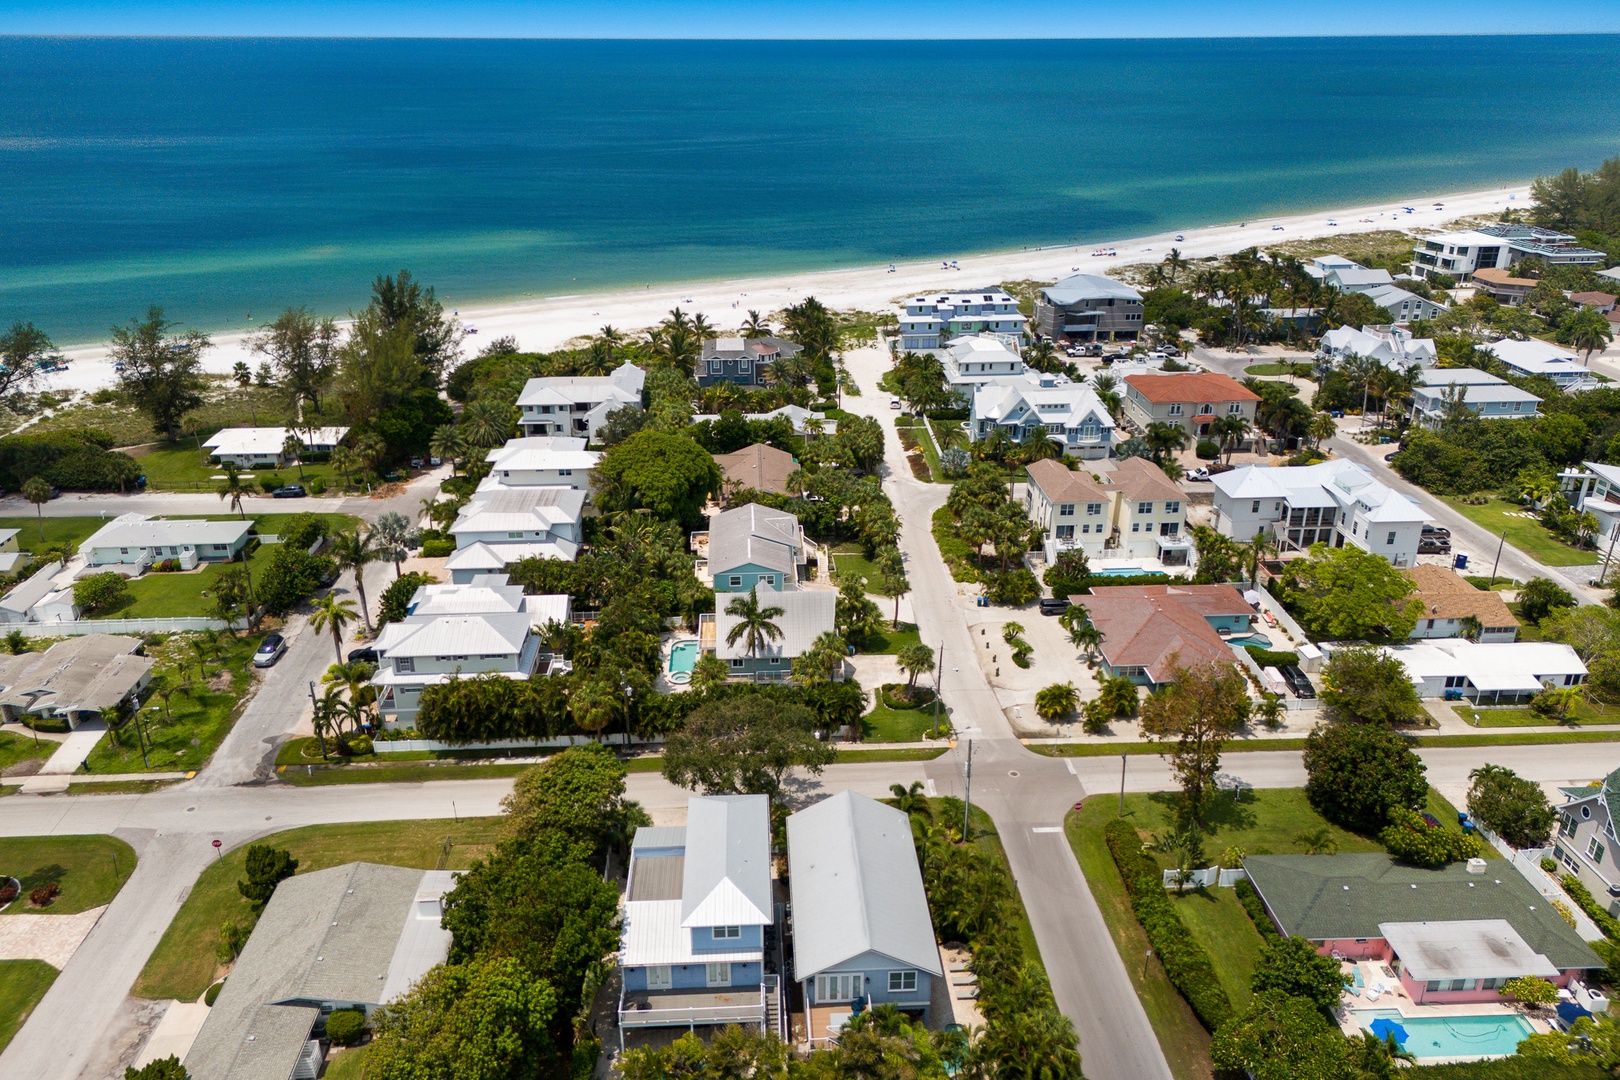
{"points": [[185, 962], [1525, 533], [851, 563], [916, 753], [1218, 922], [1278, 369], [1529, 738], [405, 773], [22, 984], [1581, 714], [889, 642], [347, 1065], [68, 531], [204, 711], [184, 468], [925, 443], [884, 724], [89, 869], [18, 748]]}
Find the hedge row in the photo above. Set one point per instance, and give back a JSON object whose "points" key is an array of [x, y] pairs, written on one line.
{"points": [[1508, 1068], [957, 553], [1594, 911], [1257, 910], [1267, 658], [1096, 581], [1184, 960]]}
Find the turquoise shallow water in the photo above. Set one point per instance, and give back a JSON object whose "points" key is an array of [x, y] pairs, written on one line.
{"points": [[223, 178]]}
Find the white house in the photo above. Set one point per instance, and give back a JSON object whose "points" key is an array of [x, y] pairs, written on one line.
{"points": [[1460, 254], [423, 651], [1334, 502], [578, 404], [1537, 357], [931, 320], [970, 362], [1135, 512], [542, 461], [137, 540], [262, 447], [1388, 345], [501, 526], [1043, 406], [804, 421], [1483, 394], [1595, 488], [1489, 673], [1449, 602], [1403, 306], [488, 594]]}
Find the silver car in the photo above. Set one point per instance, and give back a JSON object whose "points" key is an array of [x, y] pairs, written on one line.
{"points": [[270, 650]]}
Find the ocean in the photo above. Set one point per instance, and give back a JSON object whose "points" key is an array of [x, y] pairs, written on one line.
{"points": [[225, 179]]}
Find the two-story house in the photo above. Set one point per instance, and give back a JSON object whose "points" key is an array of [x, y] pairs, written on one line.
{"points": [[744, 362], [1460, 255], [1190, 400], [1587, 843], [501, 526], [1594, 488], [932, 320], [862, 935], [752, 545], [1088, 307], [698, 904], [973, 361], [1334, 502], [1040, 406], [1480, 392], [578, 404], [423, 651], [1135, 512], [1392, 346], [541, 461], [1537, 357]]}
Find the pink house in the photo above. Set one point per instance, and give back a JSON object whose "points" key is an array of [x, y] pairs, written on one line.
{"points": [[1452, 935]]}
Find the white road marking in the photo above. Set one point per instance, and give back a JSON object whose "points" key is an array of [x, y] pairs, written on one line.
{"points": [[1047, 828], [930, 790]]}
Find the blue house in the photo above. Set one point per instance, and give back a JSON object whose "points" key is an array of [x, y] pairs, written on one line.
{"points": [[697, 903], [862, 935], [755, 545]]}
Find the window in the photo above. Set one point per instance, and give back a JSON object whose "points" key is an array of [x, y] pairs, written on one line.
{"points": [[719, 975], [1391, 540], [716, 367], [1172, 507], [1175, 410], [1235, 407], [1254, 507], [726, 933], [1065, 532], [1144, 508], [776, 661], [902, 980], [405, 665], [839, 986], [514, 536], [736, 662], [1093, 509], [658, 978], [1136, 526], [1086, 529], [736, 581], [565, 472], [744, 367], [1594, 848], [1065, 509], [769, 579]]}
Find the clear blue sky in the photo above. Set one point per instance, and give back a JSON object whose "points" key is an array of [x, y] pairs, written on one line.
{"points": [[809, 18]]}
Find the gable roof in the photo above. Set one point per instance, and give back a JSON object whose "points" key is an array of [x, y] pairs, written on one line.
{"points": [[624, 384], [1147, 625], [1447, 596], [1061, 484], [806, 615], [754, 535], [485, 556], [456, 635], [520, 509], [533, 453], [764, 349], [1195, 386], [856, 887], [230, 442], [1140, 479], [761, 467], [1319, 897], [726, 880]]}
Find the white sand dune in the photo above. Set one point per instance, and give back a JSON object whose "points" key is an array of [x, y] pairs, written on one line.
{"points": [[549, 322]]}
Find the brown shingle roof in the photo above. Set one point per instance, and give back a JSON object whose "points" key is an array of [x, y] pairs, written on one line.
{"points": [[1195, 386], [1061, 484], [1148, 625], [1140, 479], [1596, 299], [761, 467], [1447, 596]]}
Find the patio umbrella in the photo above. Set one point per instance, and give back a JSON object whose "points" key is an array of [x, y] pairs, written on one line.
{"points": [[1386, 1028], [1569, 1012]]}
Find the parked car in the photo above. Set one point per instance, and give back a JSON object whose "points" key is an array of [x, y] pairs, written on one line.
{"points": [[1054, 605], [1298, 682], [1200, 473], [894, 403], [1432, 546], [366, 655], [1439, 532], [289, 491], [270, 650]]}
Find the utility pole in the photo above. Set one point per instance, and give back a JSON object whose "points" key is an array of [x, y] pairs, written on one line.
{"points": [[967, 800], [1499, 545], [1122, 759], [939, 680]]}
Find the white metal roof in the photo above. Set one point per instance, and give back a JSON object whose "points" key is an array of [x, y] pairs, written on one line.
{"points": [[1079, 287], [269, 440], [856, 887], [455, 635], [491, 556], [1516, 666], [521, 509], [653, 935], [1535, 357], [138, 530], [806, 615], [727, 877], [1337, 482], [755, 534], [539, 453], [623, 384], [1464, 949]]}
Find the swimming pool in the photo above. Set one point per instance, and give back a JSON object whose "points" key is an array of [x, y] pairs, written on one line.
{"points": [[1257, 639], [682, 659], [1128, 571], [1493, 1035]]}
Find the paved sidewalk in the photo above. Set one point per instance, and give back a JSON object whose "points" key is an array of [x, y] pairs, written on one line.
{"points": [[41, 784]]}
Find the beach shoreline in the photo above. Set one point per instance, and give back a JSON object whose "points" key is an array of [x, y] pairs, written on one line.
{"points": [[547, 323]]}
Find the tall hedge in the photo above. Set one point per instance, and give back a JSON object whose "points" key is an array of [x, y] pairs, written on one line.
{"points": [[1256, 910], [72, 460], [1184, 960]]}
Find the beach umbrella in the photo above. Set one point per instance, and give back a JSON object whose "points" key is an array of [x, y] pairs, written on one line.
{"points": [[1569, 1012], [1385, 1028]]}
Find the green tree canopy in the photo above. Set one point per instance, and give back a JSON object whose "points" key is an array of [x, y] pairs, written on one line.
{"points": [[1282, 1037], [577, 794], [670, 475], [744, 745], [1411, 839], [162, 370], [1291, 965], [266, 868], [1540, 597], [1512, 807], [487, 1020], [1365, 685], [1191, 719], [1347, 593], [168, 1068], [1357, 773]]}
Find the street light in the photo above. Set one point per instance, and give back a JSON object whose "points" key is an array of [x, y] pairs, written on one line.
{"points": [[629, 692]]}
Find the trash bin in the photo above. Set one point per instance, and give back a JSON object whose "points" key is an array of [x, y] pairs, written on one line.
{"points": [[983, 601], [1460, 562]]}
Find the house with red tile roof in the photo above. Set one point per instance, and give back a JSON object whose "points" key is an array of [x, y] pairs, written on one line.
{"points": [[1191, 400], [1149, 632]]}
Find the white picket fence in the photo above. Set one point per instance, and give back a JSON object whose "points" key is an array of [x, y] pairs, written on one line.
{"points": [[1528, 863], [178, 625]]}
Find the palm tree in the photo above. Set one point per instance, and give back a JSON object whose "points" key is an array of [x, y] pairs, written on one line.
{"points": [[343, 460], [37, 490], [1318, 841], [1588, 331], [334, 615], [394, 537], [1164, 439], [754, 623], [488, 422], [1323, 428], [354, 679], [891, 568], [709, 671], [230, 488], [1230, 431], [169, 689], [324, 716], [293, 447], [1255, 551], [910, 800], [354, 551], [755, 326], [447, 445]]}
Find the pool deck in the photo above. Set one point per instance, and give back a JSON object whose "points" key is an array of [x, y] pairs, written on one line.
{"points": [[665, 682], [1396, 999]]}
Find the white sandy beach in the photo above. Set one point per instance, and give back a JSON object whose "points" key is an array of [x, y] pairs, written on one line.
{"points": [[547, 323]]}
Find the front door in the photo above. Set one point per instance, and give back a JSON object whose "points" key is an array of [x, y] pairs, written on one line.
{"points": [[658, 978], [720, 974]]}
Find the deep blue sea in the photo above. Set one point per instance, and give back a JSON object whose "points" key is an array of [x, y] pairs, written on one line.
{"points": [[227, 178]]}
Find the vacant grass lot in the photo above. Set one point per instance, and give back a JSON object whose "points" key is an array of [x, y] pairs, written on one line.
{"points": [[185, 962], [68, 531], [15, 749], [22, 984], [89, 869], [1273, 822], [1525, 533], [225, 405], [888, 641], [884, 724], [210, 697], [1580, 714]]}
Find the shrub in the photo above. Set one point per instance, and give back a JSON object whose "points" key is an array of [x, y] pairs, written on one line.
{"points": [[1185, 961], [317, 485], [270, 483], [1068, 573], [213, 993], [957, 553], [1549, 866], [1053, 703], [1514, 808], [100, 592], [302, 530], [8, 892], [345, 1026], [1411, 839], [354, 744], [391, 608], [1267, 658], [894, 695], [1207, 450], [1255, 909], [45, 895], [1014, 588], [1594, 911], [437, 549], [266, 868]]}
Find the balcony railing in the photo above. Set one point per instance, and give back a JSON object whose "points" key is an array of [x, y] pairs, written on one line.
{"points": [[675, 1008]]}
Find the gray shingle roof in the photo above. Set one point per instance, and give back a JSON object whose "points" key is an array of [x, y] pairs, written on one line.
{"points": [[856, 887], [754, 534], [91, 672], [1318, 897]]}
